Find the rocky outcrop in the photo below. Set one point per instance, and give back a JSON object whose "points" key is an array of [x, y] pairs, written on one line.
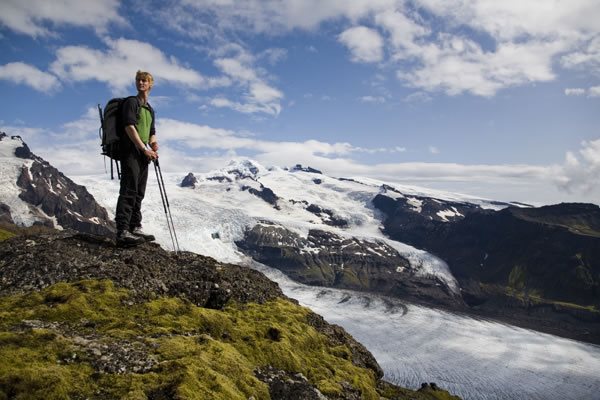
{"points": [[327, 216], [59, 197], [286, 385], [264, 193], [326, 259], [38, 262], [110, 322], [299, 167], [23, 151], [189, 181], [55, 199], [5, 215]]}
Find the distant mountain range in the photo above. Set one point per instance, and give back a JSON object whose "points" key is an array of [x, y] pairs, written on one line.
{"points": [[535, 267]]}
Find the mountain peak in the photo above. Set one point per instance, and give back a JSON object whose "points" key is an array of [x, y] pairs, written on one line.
{"points": [[14, 146], [34, 192], [245, 168]]}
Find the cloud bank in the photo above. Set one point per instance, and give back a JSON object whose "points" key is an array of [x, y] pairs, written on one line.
{"points": [[188, 147]]}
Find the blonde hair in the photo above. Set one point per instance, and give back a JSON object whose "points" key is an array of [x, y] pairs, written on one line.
{"points": [[145, 75]]}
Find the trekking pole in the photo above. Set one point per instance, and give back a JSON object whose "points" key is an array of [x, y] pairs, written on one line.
{"points": [[167, 208], [162, 197], [167, 202]]}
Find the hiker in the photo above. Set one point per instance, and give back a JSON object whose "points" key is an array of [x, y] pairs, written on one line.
{"points": [[138, 119]]}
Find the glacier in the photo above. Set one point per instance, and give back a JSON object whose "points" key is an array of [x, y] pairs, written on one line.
{"points": [[473, 358]]}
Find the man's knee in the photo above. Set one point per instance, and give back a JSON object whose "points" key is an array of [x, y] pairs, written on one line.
{"points": [[128, 192]]}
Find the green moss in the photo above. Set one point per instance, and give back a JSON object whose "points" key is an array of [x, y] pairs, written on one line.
{"points": [[4, 234], [32, 368], [517, 278], [201, 353], [535, 297], [350, 279]]}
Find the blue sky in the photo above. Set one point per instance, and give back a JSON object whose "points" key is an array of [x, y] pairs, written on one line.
{"points": [[496, 99]]}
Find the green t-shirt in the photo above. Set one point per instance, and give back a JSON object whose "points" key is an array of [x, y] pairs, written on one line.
{"points": [[144, 123]]}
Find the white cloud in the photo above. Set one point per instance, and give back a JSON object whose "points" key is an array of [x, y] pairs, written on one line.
{"points": [[365, 44], [511, 20], [587, 57], [26, 74], [80, 129], [372, 99], [529, 36], [418, 97], [434, 150], [594, 91], [75, 151], [118, 64], [403, 32], [36, 17], [428, 42], [274, 55], [236, 69], [457, 65], [258, 96], [581, 173], [575, 92], [272, 16]]}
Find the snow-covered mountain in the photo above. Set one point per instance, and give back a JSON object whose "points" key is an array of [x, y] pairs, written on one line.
{"points": [[315, 213], [216, 214], [34, 192]]}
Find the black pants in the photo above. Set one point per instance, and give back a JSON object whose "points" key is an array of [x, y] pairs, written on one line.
{"points": [[134, 175]]}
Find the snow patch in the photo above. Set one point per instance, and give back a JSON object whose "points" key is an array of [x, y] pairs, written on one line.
{"points": [[451, 213], [416, 204]]}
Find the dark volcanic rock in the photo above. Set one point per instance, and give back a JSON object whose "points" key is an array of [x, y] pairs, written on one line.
{"points": [[58, 196], [285, 385], [325, 259], [219, 179], [517, 263], [23, 151], [299, 167], [264, 193], [189, 181], [33, 263], [52, 195], [5, 215], [327, 216]]}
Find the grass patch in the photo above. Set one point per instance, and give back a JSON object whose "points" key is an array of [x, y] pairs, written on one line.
{"points": [[534, 297], [4, 234]]}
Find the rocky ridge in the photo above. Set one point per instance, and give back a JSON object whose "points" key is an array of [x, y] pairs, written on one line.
{"points": [[53, 198], [326, 259], [533, 267], [133, 315]]}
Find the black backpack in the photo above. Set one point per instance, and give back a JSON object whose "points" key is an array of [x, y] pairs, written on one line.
{"points": [[111, 130]]}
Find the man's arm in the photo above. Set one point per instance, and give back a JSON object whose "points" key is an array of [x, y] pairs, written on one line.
{"points": [[137, 142], [153, 143]]}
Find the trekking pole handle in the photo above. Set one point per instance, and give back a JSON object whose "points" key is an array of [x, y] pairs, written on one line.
{"points": [[101, 120]]}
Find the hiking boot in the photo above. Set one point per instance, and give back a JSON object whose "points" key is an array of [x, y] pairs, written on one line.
{"points": [[126, 239], [139, 233]]}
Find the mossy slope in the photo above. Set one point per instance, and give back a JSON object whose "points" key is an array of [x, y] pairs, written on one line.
{"points": [[89, 339], [80, 319]]}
